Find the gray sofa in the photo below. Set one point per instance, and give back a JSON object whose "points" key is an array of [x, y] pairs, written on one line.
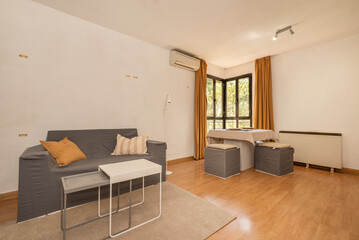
{"points": [[40, 175]]}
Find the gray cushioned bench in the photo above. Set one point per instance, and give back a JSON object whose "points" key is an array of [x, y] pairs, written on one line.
{"points": [[222, 160], [274, 158]]}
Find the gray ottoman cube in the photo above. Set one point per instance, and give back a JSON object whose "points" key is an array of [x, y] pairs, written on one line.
{"points": [[274, 158], [222, 160]]}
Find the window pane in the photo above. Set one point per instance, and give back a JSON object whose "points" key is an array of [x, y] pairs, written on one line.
{"points": [[209, 125], [230, 124], [219, 99], [244, 123], [231, 98], [219, 124], [243, 97], [209, 97]]}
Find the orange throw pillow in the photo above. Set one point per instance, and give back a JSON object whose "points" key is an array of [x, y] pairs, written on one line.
{"points": [[64, 151]]}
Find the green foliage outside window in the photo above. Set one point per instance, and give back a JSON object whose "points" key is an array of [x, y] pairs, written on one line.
{"points": [[231, 98], [244, 123], [219, 124], [243, 97], [237, 104], [209, 97], [219, 99], [210, 125], [230, 123]]}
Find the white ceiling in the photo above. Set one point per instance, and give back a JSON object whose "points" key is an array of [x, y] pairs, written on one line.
{"points": [[223, 32]]}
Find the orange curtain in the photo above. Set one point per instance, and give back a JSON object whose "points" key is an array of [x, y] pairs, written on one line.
{"points": [[263, 104], [200, 111]]}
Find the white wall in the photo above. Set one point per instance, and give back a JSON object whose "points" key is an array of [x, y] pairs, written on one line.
{"points": [[317, 89], [233, 71], [241, 70], [215, 70], [74, 78]]}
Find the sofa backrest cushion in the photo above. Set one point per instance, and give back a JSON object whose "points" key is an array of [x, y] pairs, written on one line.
{"points": [[93, 142]]}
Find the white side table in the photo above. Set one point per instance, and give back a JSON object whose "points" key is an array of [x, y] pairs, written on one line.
{"points": [[127, 171]]}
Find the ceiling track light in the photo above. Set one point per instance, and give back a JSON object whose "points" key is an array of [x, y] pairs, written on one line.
{"points": [[289, 28]]}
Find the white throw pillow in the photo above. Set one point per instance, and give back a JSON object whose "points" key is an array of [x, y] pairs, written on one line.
{"points": [[130, 146]]}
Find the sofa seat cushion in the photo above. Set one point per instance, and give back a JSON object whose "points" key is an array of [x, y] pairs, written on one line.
{"points": [[91, 164]]}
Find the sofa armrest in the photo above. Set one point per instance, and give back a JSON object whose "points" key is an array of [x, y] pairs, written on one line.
{"points": [[157, 149], [34, 153], [38, 152], [34, 177]]}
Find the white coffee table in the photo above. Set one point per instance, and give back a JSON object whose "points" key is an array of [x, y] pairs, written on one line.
{"points": [[127, 171]]}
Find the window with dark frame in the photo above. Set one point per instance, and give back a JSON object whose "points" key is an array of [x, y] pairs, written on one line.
{"points": [[229, 102]]}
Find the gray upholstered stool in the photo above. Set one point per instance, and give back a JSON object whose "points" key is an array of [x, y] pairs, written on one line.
{"points": [[222, 160], [274, 158]]}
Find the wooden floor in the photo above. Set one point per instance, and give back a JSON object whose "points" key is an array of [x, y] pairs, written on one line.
{"points": [[308, 204], [8, 210]]}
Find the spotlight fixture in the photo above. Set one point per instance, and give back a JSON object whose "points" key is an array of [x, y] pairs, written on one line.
{"points": [[289, 28]]}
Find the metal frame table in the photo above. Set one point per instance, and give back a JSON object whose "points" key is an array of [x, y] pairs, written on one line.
{"points": [[84, 181], [77, 183], [127, 171]]}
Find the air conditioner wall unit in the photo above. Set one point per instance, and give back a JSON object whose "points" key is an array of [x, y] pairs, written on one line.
{"points": [[184, 61]]}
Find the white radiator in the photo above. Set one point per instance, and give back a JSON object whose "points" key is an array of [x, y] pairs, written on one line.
{"points": [[318, 148]]}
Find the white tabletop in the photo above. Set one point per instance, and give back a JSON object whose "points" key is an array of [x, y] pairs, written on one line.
{"points": [[244, 135], [123, 171]]}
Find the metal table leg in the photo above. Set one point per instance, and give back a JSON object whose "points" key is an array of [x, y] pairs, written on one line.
{"points": [[64, 207], [99, 202], [63, 219], [129, 214], [118, 200], [141, 224]]}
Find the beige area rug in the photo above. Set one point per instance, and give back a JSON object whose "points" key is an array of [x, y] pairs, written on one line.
{"points": [[184, 216]]}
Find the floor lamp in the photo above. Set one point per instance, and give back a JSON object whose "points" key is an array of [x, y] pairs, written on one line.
{"points": [[168, 101]]}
